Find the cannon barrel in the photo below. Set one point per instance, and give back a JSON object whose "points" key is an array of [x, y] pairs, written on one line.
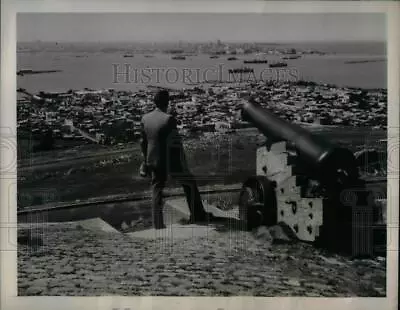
{"points": [[333, 164]]}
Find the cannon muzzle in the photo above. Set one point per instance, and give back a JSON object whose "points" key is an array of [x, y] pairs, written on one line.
{"points": [[332, 164]]}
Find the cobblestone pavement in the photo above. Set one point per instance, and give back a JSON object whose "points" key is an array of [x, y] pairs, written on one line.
{"points": [[75, 261]]}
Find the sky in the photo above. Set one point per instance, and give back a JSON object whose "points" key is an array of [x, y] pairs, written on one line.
{"points": [[161, 27]]}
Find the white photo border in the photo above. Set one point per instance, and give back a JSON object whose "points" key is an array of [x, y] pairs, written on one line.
{"points": [[8, 170]]}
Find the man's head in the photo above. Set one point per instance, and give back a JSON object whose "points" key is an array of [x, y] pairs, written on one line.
{"points": [[161, 100]]}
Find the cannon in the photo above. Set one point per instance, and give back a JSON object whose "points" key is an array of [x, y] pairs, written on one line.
{"points": [[308, 184]]}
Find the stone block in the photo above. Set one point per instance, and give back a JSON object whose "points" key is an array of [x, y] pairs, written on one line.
{"points": [[278, 147], [304, 219], [269, 163], [288, 186]]}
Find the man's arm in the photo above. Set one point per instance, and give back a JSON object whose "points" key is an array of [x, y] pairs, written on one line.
{"points": [[173, 134], [143, 142]]}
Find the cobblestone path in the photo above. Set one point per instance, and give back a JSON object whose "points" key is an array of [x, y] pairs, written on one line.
{"points": [[75, 261]]}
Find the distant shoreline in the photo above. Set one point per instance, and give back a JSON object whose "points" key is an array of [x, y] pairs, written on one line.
{"points": [[206, 41], [204, 85]]}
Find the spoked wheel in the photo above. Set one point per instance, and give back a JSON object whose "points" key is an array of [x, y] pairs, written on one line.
{"points": [[257, 203]]}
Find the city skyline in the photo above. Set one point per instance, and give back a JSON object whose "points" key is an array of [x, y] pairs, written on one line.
{"points": [[200, 27]]}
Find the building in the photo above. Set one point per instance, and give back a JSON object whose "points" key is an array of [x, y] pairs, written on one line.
{"points": [[223, 126]]}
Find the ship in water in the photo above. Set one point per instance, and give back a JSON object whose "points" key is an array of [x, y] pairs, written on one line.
{"points": [[178, 57], [157, 88], [128, 55], [148, 56], [241, 70], [363, 61], [29, 71], [232, 58], [291, 57], [255, 61], [214, 56], [278, 65]]}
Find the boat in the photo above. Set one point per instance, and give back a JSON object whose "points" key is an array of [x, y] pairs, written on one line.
{"points": [[232, 58], [179, 57], [25, 71], [214, 57], [148, 56], [128, 55], [291, 57], [156, 88], [30, 71], [363, 61], [241, 70], [255, 61], [278, 65]]}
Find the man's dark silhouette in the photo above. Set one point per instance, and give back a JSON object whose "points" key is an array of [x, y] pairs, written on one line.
{"points": [[164, 155]]}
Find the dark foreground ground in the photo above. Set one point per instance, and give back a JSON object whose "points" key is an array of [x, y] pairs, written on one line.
{"points": [[76, 261]]}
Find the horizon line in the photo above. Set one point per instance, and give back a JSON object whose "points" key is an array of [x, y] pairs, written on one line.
{"points": [[208, 41]]}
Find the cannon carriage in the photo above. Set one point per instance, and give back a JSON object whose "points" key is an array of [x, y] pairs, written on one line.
{"points": [[308, 184]]}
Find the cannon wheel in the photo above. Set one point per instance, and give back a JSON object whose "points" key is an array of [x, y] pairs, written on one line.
{"points": [[257, 202]]}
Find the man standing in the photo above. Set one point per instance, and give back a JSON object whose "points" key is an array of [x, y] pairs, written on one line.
{"points": [[164, 155]]}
